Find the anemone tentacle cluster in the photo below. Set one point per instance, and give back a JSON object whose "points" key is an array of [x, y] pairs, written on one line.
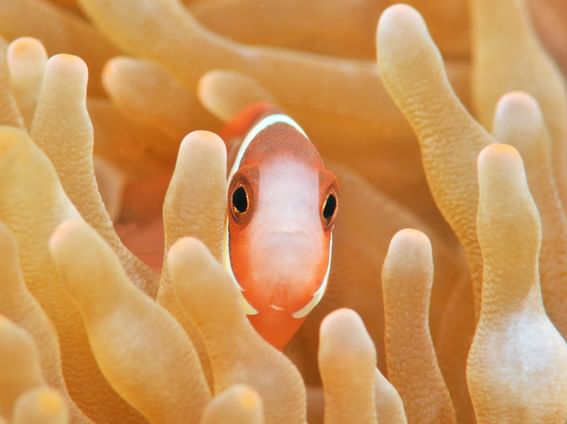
{"points": [[447, 292]]}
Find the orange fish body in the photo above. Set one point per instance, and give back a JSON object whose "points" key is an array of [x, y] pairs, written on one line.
{"points": [[282, 205]]}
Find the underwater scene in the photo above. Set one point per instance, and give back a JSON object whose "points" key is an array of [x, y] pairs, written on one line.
{"points": [[283, 211]]}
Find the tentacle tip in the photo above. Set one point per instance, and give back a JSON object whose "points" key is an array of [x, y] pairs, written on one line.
{"points": [[408, 246], [23, 46], [65, 231], [397, 20], [410, 236], [519, 105], [501, 169], [202, 140], [205, 86], [185, 252], [67, 63], [206, 80], [210, 80], [341, 317], [343, 331], [496, 155], [247, 397], [113, 69], [201, 137], [108, 74], [186, 245], [50, 402]]}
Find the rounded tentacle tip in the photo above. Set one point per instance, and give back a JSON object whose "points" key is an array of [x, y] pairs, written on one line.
{"points": [[207, 82], [397, 23], [520, 106], [68, 66], [205, 141], [247, 397], [25, 47], [407, 238], [238, 403], [41, 404], [67, 236], [50, 402], [186, 253], [67, 246], [502, 159], [343, 331], [109, 73], [207, 88], [405, 51], [112, 70], [408, 249]]}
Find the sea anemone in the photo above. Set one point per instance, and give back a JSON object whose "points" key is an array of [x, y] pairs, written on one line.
{"points": [[114, 306]]}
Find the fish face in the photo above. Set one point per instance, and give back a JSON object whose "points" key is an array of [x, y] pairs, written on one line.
{"points": [[282, 206]]}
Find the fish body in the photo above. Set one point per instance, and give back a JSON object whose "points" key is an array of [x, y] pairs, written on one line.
{"points": [[281, 208]]}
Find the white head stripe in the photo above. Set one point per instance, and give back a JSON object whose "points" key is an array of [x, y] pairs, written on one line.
{"points": [[277, 118]]}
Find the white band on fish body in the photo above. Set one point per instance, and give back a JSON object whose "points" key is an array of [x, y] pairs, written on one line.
{"points": [[277, 118]]}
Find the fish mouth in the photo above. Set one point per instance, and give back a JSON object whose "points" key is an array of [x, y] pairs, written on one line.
{"points": [[289, 289]]}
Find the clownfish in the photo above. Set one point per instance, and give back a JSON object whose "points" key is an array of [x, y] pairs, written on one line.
{"points": [[281, 209]]}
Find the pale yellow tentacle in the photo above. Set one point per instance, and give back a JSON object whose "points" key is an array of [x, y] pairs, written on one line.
{"points": [[389, 405], [517, 365], [238, 404], [407, 278], [518, 121], [450, 139], [18, 304], [70, 34], [136, 343], [26, 63], [225, 93], [307, 86], [146, 92], [20, 369], [63, 129], [195, 205], [32, 204], [41, 406], [345, 350], [335, 28], [9, 112], [237, 353], [508, 56]]}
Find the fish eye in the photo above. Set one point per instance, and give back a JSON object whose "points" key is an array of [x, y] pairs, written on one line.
{"points": [[240, 196], [239, 200], [329, 208]]}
